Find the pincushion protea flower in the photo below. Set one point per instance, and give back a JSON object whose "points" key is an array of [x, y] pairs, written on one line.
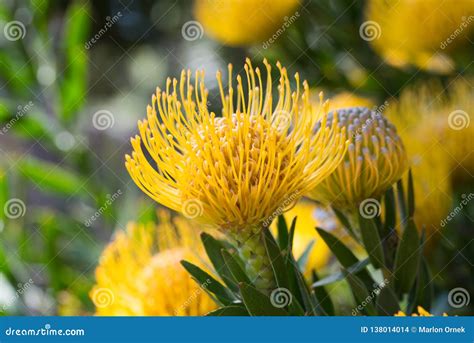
{"points": [[236, 170], [140, 274], [245, 22], [374, 160]]}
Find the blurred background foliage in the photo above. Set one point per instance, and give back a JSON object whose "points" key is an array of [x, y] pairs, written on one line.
{"points": [[69, 172]]}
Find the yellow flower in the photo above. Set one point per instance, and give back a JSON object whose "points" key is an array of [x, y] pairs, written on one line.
{"points": [[434, 123], [245, 22], [421, 313], [419, 32], [238, 170], [140, 274], [347, 99], [374, 160]]}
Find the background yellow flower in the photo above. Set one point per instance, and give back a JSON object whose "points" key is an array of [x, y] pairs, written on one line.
{"points": [[416, 32], [243, 22], [140, 274], [434, 123]]}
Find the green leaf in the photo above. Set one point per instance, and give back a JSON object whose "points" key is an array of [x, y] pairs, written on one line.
{"points": [[212, 285], [51, 177], [282, 232], [231, 310], [74, 79], [422, 294], [407, 258], [390, 211], [259, 304], [214, 249], [361, 294], [341, 275], [291, 236], [402, 207], [236, 271], [324, 300], [411, 195], [387, 302], [371, 240], [276, 259], [345, 223], [303, 259], [343, 254], [3, 196]]}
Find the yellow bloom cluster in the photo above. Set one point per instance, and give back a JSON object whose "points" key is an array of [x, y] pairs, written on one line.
{"points": [[243, 22], [434, 123], [421, 313], [140, 274], [420, 32], [238, 168]]}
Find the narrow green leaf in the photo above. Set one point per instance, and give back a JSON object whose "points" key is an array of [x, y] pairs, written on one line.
{"points": [[259, 304], [402, 207], [343, 254], [322, 296], [303, 259], [341, 275], [236, 311], [73, 82], [345, 223], [276, 259], [407, 258], [411, 195], [387, 302], [422, 294], [211, 284], [361, 294], [234, 268], [51, 177], [291, 236], [214, 249], [282, 232], [371, 240]]}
